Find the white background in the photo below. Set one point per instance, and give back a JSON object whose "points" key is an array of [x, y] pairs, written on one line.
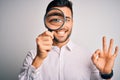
{"points": [[22, 20]]}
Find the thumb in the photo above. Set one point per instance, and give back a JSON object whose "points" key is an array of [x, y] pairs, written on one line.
{"points": [[48, 33]]}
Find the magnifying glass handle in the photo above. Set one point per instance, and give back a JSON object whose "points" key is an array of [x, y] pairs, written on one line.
{"points": [[52, 34], [50, 30]]}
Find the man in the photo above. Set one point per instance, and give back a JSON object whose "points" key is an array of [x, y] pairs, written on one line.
{"points": [[57, 58]]}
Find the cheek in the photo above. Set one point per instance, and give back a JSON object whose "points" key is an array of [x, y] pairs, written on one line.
{"points": [[70, 26]]}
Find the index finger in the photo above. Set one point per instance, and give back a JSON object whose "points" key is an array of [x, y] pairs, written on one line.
{"points": [[48, 33]]}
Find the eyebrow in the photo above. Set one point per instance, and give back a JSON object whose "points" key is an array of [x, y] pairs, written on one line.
{"points": [[54, 14], [68, 17]]}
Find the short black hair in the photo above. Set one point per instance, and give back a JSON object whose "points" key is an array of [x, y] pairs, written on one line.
{"points": [[60, 3]]}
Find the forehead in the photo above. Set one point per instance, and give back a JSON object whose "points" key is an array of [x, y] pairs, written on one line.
{"points": [[66, 11]]}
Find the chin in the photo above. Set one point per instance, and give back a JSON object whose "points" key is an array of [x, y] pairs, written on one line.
{"points": [[61, 40]]}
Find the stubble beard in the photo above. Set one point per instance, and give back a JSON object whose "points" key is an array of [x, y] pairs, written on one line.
{"points": [[58, 41]]}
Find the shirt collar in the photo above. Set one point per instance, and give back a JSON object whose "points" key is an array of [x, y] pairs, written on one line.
{"points": [[70, 45]]}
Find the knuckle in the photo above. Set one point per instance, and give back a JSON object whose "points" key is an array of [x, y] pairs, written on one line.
{"points": [[47, 32]]}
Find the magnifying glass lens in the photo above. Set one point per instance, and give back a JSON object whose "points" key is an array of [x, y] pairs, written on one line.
{"points": [[54, 19]]}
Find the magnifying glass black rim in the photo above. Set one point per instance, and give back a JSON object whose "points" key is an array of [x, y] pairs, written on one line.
{"points": [[46, 16]]}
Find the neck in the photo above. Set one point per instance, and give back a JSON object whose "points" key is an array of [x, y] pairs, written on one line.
{"points": [[60, 44]]}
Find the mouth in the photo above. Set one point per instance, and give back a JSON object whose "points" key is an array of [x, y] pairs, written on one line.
{"points": [[61, 32]]}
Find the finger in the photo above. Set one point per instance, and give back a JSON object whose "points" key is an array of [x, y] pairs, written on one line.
{"points": [[43, 38], [96, 55], [44, 50], [104, 45], [116, 51], [48, 33], [47, 48], [110, 46], [94, 58], [37, 40], [47, 43], [40, 51], [46, 38]]}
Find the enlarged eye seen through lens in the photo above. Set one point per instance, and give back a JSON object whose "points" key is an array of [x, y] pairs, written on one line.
{"points": [[56, 21]]}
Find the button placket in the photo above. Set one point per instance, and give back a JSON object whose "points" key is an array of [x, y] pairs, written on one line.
{"points": [[61, 63]]}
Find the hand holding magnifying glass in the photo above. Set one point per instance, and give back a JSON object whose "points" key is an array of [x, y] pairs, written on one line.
{"points": [[53, 20]]}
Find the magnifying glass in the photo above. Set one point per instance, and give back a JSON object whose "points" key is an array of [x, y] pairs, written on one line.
{"points": [[54, 19]]}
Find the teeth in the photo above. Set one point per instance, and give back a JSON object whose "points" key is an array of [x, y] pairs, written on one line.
{"points": [[61, 32]]}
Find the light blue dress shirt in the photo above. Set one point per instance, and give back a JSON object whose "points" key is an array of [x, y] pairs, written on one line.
{"points": [[71, 62]]}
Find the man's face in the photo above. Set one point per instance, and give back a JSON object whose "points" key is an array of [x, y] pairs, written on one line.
{"points": [[63, 34]]}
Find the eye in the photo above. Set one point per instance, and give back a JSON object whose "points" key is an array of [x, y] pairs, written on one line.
{"points": [[55, 20], [68, 20]]}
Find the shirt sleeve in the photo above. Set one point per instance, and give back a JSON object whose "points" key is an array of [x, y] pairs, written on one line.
{"points": [[29, 72], [95, 75]]}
